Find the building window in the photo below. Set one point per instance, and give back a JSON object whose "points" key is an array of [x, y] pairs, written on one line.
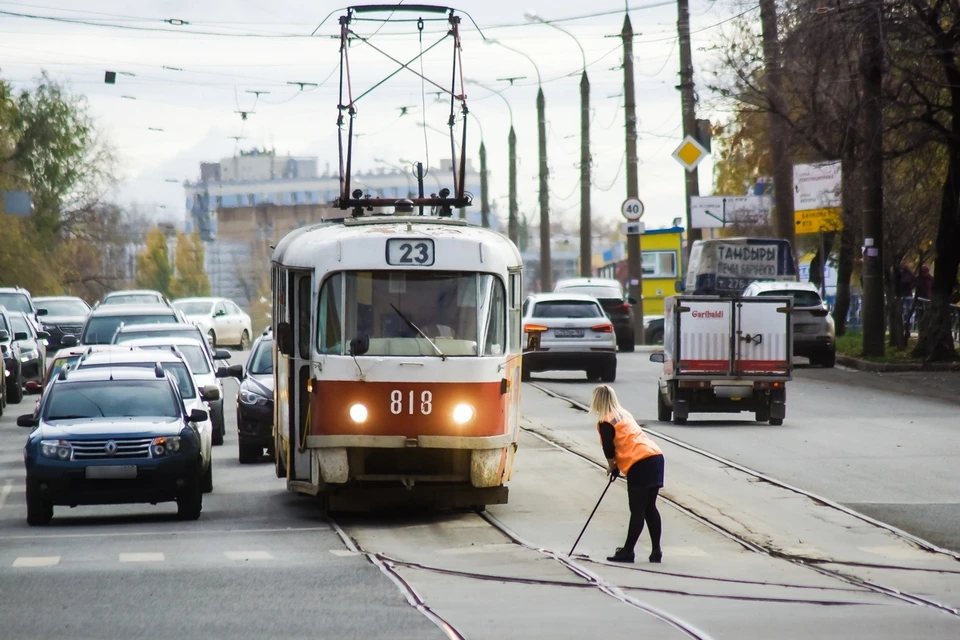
{"points": [[659, 264]]}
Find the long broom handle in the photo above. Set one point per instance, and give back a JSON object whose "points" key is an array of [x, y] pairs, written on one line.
{"points": [[612, 480]]}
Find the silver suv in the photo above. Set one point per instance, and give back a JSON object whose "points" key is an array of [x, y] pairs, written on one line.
{"points": [[814, 335], [568, 332]]}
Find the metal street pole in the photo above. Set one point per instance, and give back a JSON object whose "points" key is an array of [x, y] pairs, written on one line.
{"points": [[546, 267], [634, 254], [513, 227], [484, 195], [689, 107]]}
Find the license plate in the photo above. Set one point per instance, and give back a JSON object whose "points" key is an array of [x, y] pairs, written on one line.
{"points": [[569, 333], [111, 473]]}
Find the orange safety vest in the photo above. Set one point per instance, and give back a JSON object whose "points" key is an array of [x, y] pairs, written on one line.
{"points": [[631, 444]]}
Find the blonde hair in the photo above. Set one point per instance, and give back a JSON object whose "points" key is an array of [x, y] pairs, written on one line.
{"points": [[605, 403]]}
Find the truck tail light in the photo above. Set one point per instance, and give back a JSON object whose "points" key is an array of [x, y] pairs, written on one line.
{"points": [[602, 328]]}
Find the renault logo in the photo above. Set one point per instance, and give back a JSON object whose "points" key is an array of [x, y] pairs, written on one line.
{"points": [[110, 448]]}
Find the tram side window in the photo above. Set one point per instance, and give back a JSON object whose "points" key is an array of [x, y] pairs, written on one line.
{"points": [[303, 315], [514, 313], [494, 307], [328, 317]]}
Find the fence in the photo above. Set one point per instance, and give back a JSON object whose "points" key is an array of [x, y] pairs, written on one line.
{"points": [[913, 310]]}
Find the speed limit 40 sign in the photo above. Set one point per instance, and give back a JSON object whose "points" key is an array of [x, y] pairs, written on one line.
{"points": [[632, 209]]}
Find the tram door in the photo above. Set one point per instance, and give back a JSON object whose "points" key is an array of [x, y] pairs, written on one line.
{"points": [[294, 372]]}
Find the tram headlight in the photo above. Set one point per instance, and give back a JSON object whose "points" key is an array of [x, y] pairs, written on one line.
{"points": [[463, 413], [358, 413]]}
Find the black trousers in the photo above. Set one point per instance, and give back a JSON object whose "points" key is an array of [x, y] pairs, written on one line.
{"points": [[643, 507]]}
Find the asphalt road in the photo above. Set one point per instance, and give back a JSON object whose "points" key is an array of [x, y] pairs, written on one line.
{"points": [[262, 563]]}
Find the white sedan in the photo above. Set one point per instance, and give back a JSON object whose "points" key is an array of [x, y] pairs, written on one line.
{"points": [[223, 322]]}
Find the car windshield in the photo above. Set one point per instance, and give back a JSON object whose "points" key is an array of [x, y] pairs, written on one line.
{"points": [[187, 331], [801, 298], [194, 308], [20, 323], [192, 353], [178, 369], [100, 329], [457, 311], [567, 309], [65, 307], [261, 361], [15, 302], [132, 298], [596, 291], [59, 363], [111, 399]]}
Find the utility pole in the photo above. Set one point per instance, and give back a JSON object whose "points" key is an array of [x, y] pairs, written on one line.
{"points": [[871, 72], [586, 235], [513, 226], [688, 103], [634, 255], [546, 268], [782, 167], [484, 196]]}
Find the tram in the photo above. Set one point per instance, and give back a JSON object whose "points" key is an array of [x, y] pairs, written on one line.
{"points": [[397, 361]]}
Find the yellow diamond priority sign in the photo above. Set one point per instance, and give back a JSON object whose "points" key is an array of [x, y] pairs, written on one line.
{"points": [[690, 153]]}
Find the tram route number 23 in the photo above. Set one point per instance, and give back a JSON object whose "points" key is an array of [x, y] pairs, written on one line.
{"points": [[410, 252], [409, 404]]}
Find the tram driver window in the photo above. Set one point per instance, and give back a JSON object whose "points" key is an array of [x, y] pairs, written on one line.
{"points": [[328, 316]]}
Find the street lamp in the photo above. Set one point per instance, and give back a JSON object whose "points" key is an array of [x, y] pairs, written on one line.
{"points": [[586, 250], [513, 225]]}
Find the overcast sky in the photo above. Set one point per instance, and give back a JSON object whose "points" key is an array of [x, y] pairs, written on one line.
{"points": [[195, 101]]}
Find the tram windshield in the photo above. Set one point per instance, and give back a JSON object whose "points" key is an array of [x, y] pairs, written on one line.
{"points": [[456, 311]]}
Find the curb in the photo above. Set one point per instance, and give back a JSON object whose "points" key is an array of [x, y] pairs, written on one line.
{"points": [[881, 367]]}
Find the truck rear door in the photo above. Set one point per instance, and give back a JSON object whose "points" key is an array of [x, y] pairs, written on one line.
{"points": [[764, 340], [704, 328]]}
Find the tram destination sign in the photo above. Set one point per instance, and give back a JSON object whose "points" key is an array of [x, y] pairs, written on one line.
{"points": [[410, 252]]}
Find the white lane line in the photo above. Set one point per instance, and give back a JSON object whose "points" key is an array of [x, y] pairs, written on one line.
{"points": [[5, 491], [206, 533], [36, 561], [344, 553], [248, 555], [141, 557]]}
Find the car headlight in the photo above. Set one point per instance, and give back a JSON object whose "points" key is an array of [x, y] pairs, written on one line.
{"points": [[164, 446], [358, 413], [27, 356], [250, 397], [57, 449], [463, 413]]}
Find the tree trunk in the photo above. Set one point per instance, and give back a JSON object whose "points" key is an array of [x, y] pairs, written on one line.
{"points": [[816, 270], [898, 335], [848, 239]]}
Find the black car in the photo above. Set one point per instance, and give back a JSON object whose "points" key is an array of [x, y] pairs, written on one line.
{"points": [[61, 316], [12, 363], [113, 436], [19, 299], [617, 305], [255, 402], [33, 348], [103, 322], [653, 329]]}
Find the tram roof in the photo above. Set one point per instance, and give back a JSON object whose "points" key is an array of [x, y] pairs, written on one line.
{"points": [[308, 246]]}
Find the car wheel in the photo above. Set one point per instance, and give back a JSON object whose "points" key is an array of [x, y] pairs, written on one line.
{"points": [[609, 372], [657, 337], [679, 420], [39, 511], [627, 345], [244, 341], [279, 467], [219, 429], [776, 422], [15, 390], [828, 360], [249, 453], [212, 339], [663, 411], [190, 502], [207, 484]]}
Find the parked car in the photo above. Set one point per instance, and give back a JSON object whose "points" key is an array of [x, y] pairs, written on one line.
{"points": [[653, 329], [13, 366], [111, 436], [19, 299], [61, 316], [220, 319], [33, 347], [615, 303], [103, 322], [255, 403], [204, 370], [814, 334], [569, 332], [193, 395], [134, 296]]}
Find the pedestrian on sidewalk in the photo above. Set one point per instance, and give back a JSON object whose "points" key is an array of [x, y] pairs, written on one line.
{"points": [[631, 452]]}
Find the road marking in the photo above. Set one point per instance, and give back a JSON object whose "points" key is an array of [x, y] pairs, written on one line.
{"points": [[141, 557], [4, 492], [248, 555], [343, 553], [483, 548], [36, 561], [176, 532]]}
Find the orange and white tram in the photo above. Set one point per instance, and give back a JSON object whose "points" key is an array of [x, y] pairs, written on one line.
{"points": [[397, 361]]}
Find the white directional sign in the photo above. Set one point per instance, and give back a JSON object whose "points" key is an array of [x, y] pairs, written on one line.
{"points": [[816, 197], [632, 228], [714, 212], [632, 209]]}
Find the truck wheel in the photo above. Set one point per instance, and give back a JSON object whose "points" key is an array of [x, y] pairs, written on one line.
{"points": [[592, 375], [776, 422], [609, 373], [663, 411], [763, 414], [249, 453]]}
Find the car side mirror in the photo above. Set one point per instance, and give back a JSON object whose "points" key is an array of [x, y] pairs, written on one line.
{"points": [[679, 286], [197, 415], [21, 335], [32, 387], [219, 313], [43, 335], [69, 341], [42, 312], [4, 334], [360, 345], [221, 354], [234, 371], [210, 392], [657, 357], [632, 300], [27, 420], [285, 338]]}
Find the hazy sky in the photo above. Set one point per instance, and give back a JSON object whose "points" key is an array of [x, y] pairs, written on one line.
{"points": [[195, 101]]}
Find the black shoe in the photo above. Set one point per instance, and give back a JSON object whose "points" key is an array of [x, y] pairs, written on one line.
{"points": [[622, 555], [656, 555]]}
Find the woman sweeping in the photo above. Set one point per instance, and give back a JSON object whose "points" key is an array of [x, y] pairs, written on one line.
{"points": [[631, 452]]}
